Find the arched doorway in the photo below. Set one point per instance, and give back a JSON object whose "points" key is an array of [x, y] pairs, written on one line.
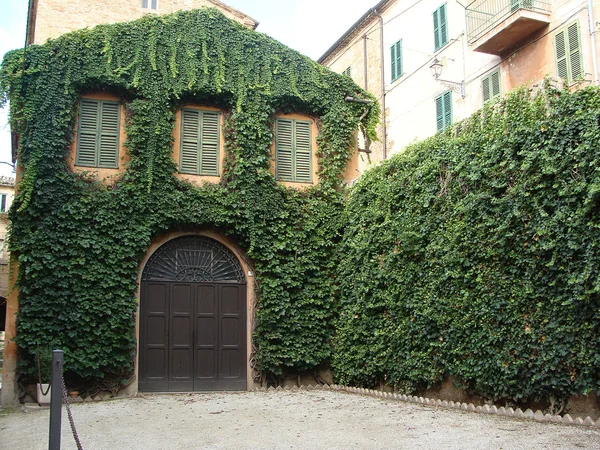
{"points": [[192, 318]]}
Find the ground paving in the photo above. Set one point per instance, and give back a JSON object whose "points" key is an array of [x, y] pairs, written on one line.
{"points": [[315, 419]]}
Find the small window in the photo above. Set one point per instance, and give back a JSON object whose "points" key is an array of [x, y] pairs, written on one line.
{"points": [[199, 153], [98, 134], [347, 72], [293, 150], [491, 87], [443, 110], [440, 27], [567, 48], [3, 207], [396, 50], [152, 4]]}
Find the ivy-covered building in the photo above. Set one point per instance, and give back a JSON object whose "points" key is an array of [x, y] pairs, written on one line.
{"points": [[180, 196]]}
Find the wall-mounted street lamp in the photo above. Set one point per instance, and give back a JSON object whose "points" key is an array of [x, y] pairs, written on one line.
{"points": [[436, 70]]}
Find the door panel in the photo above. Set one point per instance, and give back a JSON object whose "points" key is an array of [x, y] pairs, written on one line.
{"points": [[193, 337]]}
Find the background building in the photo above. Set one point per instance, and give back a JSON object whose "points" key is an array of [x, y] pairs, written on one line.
{"points": [[51, 18], [482, 49]]}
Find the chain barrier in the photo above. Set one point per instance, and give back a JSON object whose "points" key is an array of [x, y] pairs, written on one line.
{"points": [[65, 397]]}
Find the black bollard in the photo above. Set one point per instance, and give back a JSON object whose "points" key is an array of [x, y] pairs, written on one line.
{"points": [[55, 401]]}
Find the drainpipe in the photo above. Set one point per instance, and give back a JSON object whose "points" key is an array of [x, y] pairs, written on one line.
{"points": [[383, 84], [593, 36], [365, 61]]}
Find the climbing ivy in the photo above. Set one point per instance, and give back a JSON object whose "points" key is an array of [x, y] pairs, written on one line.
{"points": [[79, 242], [475, 254]]}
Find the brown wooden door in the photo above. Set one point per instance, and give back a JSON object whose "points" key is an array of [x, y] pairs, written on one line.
{"points": [[192, 337]]}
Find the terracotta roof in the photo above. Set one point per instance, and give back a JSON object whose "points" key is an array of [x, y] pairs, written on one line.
{"points": [[354, 29]]}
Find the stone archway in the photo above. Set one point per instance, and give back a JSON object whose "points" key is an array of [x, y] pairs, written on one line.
{"points": [[192, 318]]}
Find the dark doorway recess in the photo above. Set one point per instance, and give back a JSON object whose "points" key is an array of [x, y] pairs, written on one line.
{"points": [[192, 318]]}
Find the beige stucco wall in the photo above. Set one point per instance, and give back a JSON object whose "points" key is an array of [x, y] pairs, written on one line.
{"points": [[410, 100], [56, 17]]}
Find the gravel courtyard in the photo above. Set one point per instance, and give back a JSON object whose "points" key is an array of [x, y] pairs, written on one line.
{"points": [[284, 420]]}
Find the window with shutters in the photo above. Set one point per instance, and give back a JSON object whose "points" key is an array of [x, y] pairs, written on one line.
{"points": [[199, 145], [150, 4], [98, 133], [443, 111], [293, 150], [3, 203], [440, 27], [396, 51], [490, 86], [567, 49]]}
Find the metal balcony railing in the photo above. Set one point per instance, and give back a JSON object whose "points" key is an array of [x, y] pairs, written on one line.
{"points": [[483, 15]]}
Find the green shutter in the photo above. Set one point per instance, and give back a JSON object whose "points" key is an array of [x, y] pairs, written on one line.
{"points": [[189, 161], [293, 150], [209, 147], [491, 86], [443, 110], [436, 30], [560, 50], [575, 56], [89, 117], [108, 148], [200, 132], [567, 49], [284, 150], [98, 134], [440, 28], [303, 140], [396, 51], [495, 83]]}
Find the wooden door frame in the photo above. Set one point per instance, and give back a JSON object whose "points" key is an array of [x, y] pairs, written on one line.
{"points": [[247, 268]]}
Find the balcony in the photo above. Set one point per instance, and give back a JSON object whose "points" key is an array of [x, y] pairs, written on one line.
{"points": [[495, 26]]}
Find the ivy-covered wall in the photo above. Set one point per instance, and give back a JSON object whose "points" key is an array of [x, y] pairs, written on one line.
{"points": [[476, 254], [79, 242]]}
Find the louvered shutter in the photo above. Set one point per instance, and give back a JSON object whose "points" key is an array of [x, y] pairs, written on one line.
{"points": [[495, 84], [443, 26], [303, 152], [436, 30], [439, 113], [209, 151], [396, 50], [108, 147], [190, 136], [560, 49], [87, 135], [393, 59], [447, 109], [284, 150], [491, 86], [485, 85], [575, 56]]}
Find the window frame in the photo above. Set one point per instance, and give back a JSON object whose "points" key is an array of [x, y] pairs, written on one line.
{"points": [[199, 143], [147, 4], [488, 79], [568, 57], [3, 203], [99, 132], [294, 178]]}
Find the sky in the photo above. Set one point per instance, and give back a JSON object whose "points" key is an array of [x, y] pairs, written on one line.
{"points": [[309, 26]]}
